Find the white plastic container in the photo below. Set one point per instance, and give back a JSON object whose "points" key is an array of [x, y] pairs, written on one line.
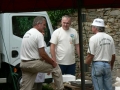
{"points": [[67, 78], [117, 88]]}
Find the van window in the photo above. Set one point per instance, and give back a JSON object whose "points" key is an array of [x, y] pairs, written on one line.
{"points": [[21, 24]]}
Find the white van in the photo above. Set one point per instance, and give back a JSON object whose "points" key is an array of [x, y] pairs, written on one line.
{"points": [[12, 28]]}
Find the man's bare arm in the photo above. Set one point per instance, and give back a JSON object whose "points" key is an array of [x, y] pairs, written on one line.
{"points": [[52, 51], [112, 61], [77, 49], [45, 57], [89, 59]]}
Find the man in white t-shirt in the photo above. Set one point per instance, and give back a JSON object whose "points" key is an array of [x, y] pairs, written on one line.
{"points": [[40, 78], [34, 59], [101, 53], [64, 40]]}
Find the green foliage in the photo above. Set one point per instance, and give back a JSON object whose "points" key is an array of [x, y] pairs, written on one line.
{"points": [[47, 87], [56, 16], [21, 24]]}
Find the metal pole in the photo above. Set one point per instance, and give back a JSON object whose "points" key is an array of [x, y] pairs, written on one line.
{"points": [[80, 2]]}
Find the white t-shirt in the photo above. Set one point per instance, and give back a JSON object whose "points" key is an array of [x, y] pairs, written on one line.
{"points": [[32, 40], [65, 45], [101, 45]]}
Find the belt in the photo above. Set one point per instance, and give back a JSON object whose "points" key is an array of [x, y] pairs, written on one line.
{"points": [[102, 61], [30, 60]]}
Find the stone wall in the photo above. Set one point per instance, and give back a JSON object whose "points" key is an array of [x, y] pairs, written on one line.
{"points": [[112, 21]]}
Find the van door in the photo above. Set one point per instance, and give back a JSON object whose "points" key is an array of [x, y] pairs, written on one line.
{"points": [[19, 25]]}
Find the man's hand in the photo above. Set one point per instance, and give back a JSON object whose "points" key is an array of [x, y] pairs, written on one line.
{"points": [[54, 59], [54, 64], [48, 73]]}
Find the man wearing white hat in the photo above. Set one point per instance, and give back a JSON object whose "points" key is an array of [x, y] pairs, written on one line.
{"points": [[101, 53]]}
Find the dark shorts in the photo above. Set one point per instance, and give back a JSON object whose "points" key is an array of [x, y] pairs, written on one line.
{"points": [[68, 69]]}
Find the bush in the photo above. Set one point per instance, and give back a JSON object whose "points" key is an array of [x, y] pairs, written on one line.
{"points": [[55, 16], [47, 87]]}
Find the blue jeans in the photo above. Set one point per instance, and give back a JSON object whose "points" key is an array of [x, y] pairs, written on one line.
{"points": [[68, 69], [101, 76]]}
